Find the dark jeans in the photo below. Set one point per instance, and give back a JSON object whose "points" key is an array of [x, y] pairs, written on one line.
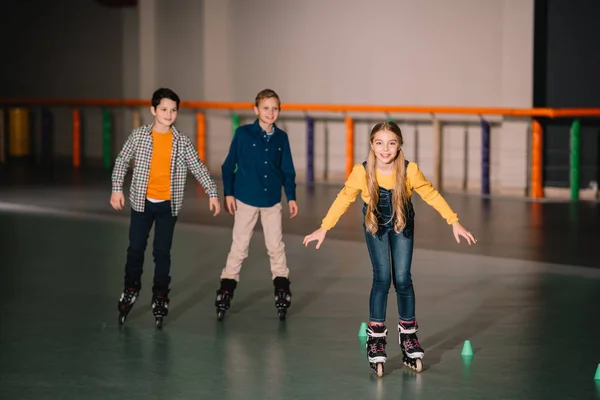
{"points": [[391, 256], [139, 230]]}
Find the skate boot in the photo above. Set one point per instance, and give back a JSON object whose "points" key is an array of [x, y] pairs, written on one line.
{"points": [[126, 301], [409, 343], [283, 296], [376, 347], [160, 309], [224, 296]]}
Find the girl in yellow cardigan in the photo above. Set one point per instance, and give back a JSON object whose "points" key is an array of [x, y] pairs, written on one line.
{"points": [[386, 182]]}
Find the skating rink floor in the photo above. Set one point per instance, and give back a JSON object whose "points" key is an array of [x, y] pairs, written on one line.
{"points": [[527, 296]]}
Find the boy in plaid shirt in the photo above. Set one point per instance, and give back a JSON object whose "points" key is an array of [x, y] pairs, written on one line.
{"points": [[162, 157]]}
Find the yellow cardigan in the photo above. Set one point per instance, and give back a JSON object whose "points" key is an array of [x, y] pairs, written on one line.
{"points": [[357, 182]]}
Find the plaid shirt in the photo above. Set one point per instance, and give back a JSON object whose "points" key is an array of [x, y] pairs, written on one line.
{"points": [[183, 156]]}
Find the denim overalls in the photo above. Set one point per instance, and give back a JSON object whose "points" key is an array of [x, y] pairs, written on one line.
{"points": [[391, 256]]}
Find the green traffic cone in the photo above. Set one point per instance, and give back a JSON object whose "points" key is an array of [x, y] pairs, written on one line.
{"points": [[597, 376], [467, 349], [362, 331]]}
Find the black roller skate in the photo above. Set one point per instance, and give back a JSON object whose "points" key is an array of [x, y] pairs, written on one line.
{"points": [[160, 309], [224, 296], [409, 343], [376, 347], [126, 301], [283, 296]]}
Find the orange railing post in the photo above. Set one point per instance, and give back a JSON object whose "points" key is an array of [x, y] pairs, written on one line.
{"points": [[537, 190], [76, 139], [201, 136], [349, 145]]}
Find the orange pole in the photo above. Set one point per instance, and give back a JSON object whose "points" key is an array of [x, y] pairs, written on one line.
{"points": [[537, 191], [201, 135], [349, 145], [76, 139]]}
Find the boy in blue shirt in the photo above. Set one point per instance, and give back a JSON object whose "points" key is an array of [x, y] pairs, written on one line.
{"points": [[261, 153]]}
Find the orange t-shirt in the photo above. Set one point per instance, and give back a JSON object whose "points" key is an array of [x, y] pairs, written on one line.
{"points": [[159, 181]]}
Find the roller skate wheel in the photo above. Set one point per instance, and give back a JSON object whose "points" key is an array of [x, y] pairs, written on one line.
{"points": [[379, 370], [220, 315], [281, 314], [122, 318], [418, 365], [159, 322]]}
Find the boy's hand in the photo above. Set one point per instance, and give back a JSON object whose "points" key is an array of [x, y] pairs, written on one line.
{"points": [[293, 208], [318, 235], [460, 230], [117, 200], [230, 204], [213, 203]]}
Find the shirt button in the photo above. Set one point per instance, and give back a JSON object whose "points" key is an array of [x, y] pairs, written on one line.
{"points": [[265, 162], [266, 149], [265, 189], [265, 176]]}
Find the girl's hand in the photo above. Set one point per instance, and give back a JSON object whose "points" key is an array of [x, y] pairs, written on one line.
{"points": [[213, 202], [318, 235], [460, 230]]}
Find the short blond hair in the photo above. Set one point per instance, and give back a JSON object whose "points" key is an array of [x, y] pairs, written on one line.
{"points": [[266, 94]]}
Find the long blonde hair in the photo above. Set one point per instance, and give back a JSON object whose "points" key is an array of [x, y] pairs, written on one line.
{"points": [[400, 195]]}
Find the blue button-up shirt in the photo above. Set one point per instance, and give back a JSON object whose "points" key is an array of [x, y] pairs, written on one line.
{"points": [[263, 164]]}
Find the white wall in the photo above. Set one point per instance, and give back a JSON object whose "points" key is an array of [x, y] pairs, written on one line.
{"points": [[431, 52]]}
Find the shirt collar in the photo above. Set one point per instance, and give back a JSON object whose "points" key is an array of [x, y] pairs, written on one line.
{"points": [[258, 128], [148, 130]]}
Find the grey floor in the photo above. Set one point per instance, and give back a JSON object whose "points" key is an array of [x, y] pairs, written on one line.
{"points": [[526, 296]]}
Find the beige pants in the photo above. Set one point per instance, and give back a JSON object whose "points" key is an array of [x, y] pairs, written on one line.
{"points": [[243, 226]]}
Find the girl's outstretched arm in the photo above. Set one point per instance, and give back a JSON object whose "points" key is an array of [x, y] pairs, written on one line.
{"points": [[353, 186], [431, 196]]}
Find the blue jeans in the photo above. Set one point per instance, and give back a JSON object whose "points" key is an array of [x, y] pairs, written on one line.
{"points": [[391, 256]]}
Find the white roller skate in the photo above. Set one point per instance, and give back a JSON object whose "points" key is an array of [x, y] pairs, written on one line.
{"points": [[376, 347], [412, 351]]}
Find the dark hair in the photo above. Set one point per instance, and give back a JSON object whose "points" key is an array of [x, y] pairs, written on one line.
{"points": [[266, 94], [164, 93]]}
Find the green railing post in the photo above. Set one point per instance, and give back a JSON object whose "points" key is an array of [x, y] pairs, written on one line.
{"points": [[575, 157], [106, 136], [235, 123]]}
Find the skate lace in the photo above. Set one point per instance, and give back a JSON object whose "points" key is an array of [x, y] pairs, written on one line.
{"points": [[282, 295], [377, 347], [129, 295], [225, 295], [160, 302], [412, 343]]}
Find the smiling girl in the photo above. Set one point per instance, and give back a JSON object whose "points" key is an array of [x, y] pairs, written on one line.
{"points": [[386, 182]]}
